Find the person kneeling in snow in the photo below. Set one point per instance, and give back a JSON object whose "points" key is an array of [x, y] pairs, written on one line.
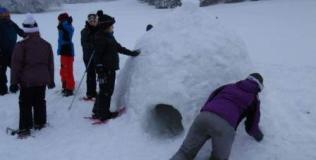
{"points": [[107, 62], [220, 117], [33, 70]]}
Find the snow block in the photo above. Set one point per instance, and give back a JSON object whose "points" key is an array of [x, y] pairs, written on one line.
{"points": [[183, 59]]}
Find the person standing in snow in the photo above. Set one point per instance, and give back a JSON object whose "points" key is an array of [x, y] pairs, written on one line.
{"points": [[66, 52], [32, 69], [107, 62], [220, 117], [8, 37], [87, 42]]}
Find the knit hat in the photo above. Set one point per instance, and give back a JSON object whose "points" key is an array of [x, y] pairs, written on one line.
{"points": [[4, 13], [257, 78], [105, 21], [63, 17], [29, 24]]}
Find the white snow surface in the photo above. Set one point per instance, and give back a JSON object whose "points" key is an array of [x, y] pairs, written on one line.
{"points": [[184, 57], [278, 34]]}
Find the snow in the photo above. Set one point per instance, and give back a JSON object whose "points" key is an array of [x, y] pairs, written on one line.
{"points": [[278, 35]]}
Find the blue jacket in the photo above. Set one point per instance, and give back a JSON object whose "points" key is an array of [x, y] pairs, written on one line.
{"points": [[65, 33], [8, 36]]}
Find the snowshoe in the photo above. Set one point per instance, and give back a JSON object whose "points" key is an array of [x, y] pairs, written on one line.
{"points": [[102, 120], [22, 134], [88, 99], [39, 126]]}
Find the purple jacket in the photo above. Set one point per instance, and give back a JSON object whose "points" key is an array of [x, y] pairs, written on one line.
{"points": [[233, 102]]}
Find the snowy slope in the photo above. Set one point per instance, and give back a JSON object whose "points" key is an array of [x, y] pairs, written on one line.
{"points": [[279, 35]]}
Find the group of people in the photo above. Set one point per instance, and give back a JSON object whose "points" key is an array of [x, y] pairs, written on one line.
{"points": [[32, 64], [32, 70]]}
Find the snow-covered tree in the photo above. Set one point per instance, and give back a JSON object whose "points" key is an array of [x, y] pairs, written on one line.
{"points": [[210, 2], [164, 3], [81, 1], [23, 6]]}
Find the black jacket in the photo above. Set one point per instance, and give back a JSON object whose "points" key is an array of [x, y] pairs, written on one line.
{"points": [[8, 37], [107, 49], [87, 41]]}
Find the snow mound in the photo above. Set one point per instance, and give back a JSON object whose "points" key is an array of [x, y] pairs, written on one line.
{"points": [[184, 57]]}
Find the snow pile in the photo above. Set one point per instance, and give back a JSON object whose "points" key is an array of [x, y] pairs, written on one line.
{"points": [[184, 58]]}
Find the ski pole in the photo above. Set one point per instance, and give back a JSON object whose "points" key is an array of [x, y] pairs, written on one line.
{"points": [[81, 80]]}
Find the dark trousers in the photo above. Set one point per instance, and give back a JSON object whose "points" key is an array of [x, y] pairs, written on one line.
{"points": [[101, 108], [91, 80], [3, 78], [4, 64], [32, 98], [207, 125]]}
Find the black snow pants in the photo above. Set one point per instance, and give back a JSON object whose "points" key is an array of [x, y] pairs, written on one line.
{"points": [[32, 98], [91, 79], [4, 64], [101, 109]]}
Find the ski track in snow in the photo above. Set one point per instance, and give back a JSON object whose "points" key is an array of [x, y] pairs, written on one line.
{"points": [[280, 44]]}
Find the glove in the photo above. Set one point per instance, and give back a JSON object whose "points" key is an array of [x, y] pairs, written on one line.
{"points": [[66, 49], [51, 85], [99, 69], [14, 88], [136, 53], [69, 20], [100, 13], [60, 27], [258, 136]]}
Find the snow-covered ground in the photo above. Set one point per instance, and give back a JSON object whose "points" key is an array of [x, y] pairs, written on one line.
{"points": [[279, 36]]}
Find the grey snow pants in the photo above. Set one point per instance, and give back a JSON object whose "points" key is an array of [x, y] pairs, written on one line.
{"points": [[207, 125]]}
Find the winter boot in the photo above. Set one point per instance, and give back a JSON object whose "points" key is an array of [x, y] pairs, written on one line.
{"points": [[94, 116], [89, 98], [39, 126], [68, 93], [3, 90], [24, 133], [63, 83], [111, 115], [114, 114]]}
